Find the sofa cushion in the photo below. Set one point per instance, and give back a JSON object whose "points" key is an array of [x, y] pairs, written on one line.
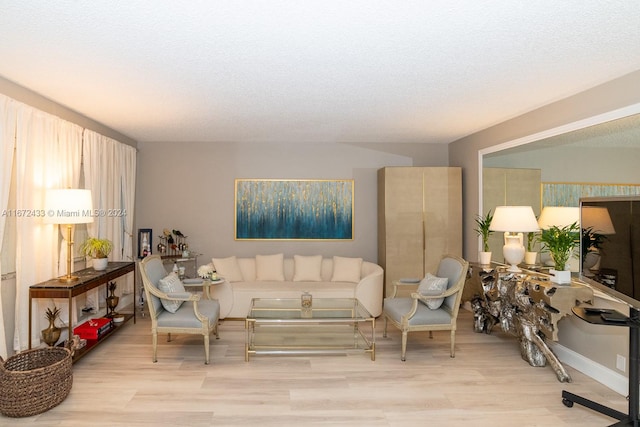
{"points": [[228, 269], [432, 285], [346, 269], [169, 285], [307, 268], [270, 267]]}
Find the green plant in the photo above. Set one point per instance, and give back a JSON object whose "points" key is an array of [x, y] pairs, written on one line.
{"points": [[532, 238], [591, 242], [483, 229], [560, 242], [96, 248]]}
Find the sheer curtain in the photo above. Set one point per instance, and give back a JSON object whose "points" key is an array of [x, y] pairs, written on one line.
{"points": [[7, 145], [102, 157], [44, 159]]}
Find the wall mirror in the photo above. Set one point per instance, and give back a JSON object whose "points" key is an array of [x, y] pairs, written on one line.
{"points": [[599, 150]]}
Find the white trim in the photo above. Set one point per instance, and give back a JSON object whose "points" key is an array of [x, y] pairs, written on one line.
{"points": [[615, 381]]}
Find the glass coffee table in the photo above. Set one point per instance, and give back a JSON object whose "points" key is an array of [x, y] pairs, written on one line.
{"points": [[329, 325]]}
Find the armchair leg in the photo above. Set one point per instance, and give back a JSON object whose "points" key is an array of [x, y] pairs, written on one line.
{"points": [[169, 337], [154, 340], [206, 349], [453, 343], [403, 356], [384, 330]]}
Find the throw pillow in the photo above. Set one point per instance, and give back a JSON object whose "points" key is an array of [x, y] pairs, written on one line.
{"points": [[228, 269], [432, 285], [307, 268], [346, 269], [170, 284], [270, 267]]}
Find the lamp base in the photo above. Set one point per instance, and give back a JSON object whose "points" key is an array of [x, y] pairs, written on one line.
{"points": [[68, 279], [513, 251]]}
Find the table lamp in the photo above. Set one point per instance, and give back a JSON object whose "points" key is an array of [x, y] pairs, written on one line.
{"points": [[560, 216], [513, 221], [68, 207]]}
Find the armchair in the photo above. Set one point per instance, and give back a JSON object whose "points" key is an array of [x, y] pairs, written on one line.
{"points": [[194, 315], [411, 314]]}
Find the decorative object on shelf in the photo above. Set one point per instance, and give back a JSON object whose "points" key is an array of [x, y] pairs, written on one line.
{"points": [[98, 250], [306, 300], [51, 334], [34, 381], [513, 221], [68, 207], [144, 242], [112, 300], [484, 232], [207, 271]]}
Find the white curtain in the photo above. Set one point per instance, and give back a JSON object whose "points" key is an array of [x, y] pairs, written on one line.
{"points": [[47, 156], [7, 145], [113, 197]]}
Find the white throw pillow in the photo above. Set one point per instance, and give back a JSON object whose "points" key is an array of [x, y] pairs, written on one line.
{"points": [[228, 269], [432, 285], [307, 268], [346, 269], [168, 285], [270, 267]]}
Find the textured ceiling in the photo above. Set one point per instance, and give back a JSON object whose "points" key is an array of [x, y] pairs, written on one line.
{"points": [[358, 71]]}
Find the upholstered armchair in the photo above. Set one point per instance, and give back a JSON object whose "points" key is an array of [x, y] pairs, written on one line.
{"points": [[433, 307], [172, 309]]}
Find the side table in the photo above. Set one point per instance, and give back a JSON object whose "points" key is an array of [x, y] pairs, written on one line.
{"points": [[204, 283]]}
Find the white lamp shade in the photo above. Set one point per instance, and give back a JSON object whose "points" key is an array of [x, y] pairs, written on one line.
{"points": [[68, 206], [559, 216], [597, 219], [514, 219]]}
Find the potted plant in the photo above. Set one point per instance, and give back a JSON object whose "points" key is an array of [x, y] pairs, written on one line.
{"points": [[98, 250], [531, 255], [484, 232], [591, 246], [560, 243]]}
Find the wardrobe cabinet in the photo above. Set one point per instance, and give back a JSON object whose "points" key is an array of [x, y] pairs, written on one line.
{"points": [[419, 219]]}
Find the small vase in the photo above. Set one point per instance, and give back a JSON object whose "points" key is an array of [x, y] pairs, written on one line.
{"points": [[485, 258], [530, 258], [112, 303], [51, 334]]}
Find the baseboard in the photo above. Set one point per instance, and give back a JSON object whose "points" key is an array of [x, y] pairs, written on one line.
{"points": [[615, 381]]}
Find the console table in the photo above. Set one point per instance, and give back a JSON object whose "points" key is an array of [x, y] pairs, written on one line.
{"points": [[528, 306], [88, 279]]}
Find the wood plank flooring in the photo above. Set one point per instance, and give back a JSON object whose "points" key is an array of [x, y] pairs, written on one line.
{"points": [[486, 384]]}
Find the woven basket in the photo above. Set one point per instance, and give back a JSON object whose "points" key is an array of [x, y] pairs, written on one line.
{"points": [[35, 381]]}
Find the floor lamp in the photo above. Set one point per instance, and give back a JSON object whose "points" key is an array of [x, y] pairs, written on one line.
{"points": [[68, 207]]}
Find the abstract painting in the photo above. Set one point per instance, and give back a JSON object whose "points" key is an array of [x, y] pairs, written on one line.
{"points": [[294, 209]]}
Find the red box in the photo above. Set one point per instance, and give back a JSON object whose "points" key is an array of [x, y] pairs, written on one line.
{"points": [[94, 328]]}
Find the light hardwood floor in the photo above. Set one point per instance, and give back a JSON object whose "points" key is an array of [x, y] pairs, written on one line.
{"points": [[486, 384]]}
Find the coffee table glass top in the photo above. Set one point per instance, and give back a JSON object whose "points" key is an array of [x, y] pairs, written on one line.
{"points": [[322, 309]]}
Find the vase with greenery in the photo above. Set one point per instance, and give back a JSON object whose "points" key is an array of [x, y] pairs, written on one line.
{"points": [[483, 223], [531, 254], [51, 334], [98, 250], [560, 242]]}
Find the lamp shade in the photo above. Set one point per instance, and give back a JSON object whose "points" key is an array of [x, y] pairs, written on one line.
{"points": [[68, 206], [559, 216], [597, 219], [514, 219]]}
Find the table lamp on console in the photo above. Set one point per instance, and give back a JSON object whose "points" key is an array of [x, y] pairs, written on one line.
{"points": [[513, 221], [68, 207]]}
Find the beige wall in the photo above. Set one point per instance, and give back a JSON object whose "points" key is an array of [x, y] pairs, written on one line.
{"points": [[190, 187]]}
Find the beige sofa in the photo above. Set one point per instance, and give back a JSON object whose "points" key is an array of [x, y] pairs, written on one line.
{"points": [[273, 276]]}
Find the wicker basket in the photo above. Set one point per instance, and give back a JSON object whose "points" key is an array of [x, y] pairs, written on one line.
{"points": [[35, 381]]}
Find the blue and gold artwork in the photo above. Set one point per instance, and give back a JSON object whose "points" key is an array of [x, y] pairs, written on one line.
{"points": [[294, 209]]}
